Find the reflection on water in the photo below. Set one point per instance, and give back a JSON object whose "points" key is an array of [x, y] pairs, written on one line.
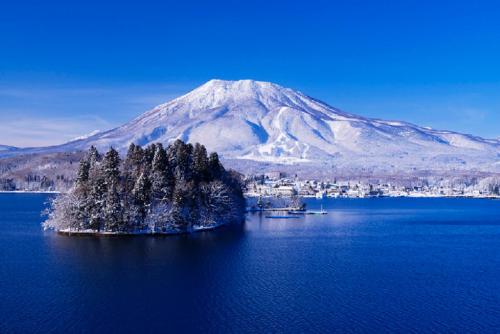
{"points": [[369, 265], [147, 278], [143, 247]]}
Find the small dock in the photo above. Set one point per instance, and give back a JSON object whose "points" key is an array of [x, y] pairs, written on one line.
{"points": [[288, 209]]}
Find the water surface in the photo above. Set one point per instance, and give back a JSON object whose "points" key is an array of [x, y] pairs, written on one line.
{"points": [[370, 265]]}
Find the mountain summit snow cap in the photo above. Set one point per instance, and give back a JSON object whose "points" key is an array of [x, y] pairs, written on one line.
{"points": [[217, 91]]}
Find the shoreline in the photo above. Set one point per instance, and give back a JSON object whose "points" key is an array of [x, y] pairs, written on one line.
{"points": [[383, 196], [307, 196], [68, 232], [29, 192]]}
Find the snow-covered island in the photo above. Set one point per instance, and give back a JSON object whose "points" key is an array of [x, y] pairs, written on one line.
{"points": [[154, 190]]}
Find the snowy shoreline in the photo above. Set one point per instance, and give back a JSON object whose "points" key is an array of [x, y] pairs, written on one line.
{"points": [[69, 232], [383, 196], [306, 196]]}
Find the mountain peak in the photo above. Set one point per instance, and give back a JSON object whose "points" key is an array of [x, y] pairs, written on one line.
{"points": [[248, 94], [238, 88], [239, 83]]}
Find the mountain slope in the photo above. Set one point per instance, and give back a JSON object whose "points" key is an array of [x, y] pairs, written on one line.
{"points": [[5, 148], [265, 122]]}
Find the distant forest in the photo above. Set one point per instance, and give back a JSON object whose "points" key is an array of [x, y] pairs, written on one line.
{"points": [[39, 172], [153, 190]]}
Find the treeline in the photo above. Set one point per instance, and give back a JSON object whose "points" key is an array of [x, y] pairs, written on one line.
{"points": [[39, 172], [159, 190], [35, 182], [7, 184]]}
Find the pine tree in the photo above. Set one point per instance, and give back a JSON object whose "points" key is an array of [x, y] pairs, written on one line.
{"points": [[113, 210], [184, 205], [200, 163], [132, 167], [172, 152], [97, 191], [215, 166], [183, 160], [83, 172], [159, 182], [93, 156], [149, 153], [111, 166], [141, 200], [81, 193]]}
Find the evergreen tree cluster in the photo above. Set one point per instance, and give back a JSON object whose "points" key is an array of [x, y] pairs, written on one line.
{"points": [[153, 190]]}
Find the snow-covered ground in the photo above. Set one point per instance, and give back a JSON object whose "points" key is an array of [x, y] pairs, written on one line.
{"points": [[93, 133]]}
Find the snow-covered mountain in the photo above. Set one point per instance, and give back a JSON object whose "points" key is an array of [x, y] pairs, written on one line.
{"points": [[5, 148], [85, 136], [264, 122]]}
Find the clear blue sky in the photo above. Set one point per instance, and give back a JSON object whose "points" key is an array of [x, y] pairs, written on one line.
{"points": [[68, 68]]}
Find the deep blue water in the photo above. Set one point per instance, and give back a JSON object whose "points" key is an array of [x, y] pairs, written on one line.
{"points": [[370, 265]]}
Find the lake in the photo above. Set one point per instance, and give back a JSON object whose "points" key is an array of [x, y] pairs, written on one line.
{"points": [[370, 265]]}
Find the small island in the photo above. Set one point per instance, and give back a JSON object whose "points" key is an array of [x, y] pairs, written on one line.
{"points": [[155, 190]]}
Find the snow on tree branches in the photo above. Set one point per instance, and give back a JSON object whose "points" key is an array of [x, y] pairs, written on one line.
{"points": [[153, 190]]}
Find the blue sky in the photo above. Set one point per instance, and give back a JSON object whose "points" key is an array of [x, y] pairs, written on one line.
{"points": [[68, 68]]}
